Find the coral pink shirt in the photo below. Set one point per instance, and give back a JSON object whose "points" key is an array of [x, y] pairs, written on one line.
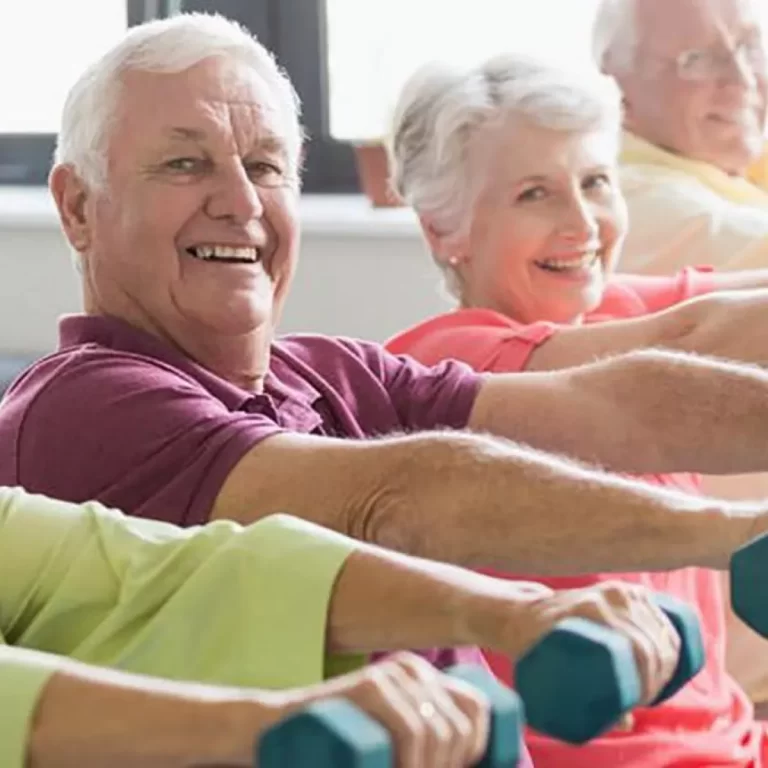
{"points": [[710, 721]]}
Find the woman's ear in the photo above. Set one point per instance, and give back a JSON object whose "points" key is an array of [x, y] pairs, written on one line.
{"points": [[446, 249]]}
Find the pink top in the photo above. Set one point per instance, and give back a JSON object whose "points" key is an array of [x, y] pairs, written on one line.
{"points": [[710, 721]]}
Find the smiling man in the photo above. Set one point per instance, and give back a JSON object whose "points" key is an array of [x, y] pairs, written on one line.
{"points": [[694, 75]]}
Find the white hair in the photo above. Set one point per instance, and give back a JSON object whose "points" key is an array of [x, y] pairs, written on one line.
{"points": [[165, 45], [441, 109], [615, 36]]}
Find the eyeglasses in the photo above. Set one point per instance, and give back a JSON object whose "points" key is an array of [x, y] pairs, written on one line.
{"points": [[714, 63]]}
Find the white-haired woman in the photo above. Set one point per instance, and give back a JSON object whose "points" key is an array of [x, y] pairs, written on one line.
{"points": [[511, 168]]}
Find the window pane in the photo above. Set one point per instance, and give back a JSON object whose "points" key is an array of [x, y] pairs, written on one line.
{"points": [[374, 46], [44, 46]]}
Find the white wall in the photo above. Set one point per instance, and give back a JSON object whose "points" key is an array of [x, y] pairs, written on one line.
{"points": [[354, 278]]}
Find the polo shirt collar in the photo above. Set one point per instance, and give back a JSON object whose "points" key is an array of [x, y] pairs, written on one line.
{"points": [[116, 334]]}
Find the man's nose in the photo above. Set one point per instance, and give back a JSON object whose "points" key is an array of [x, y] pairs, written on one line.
{"points": [[235, 197]]}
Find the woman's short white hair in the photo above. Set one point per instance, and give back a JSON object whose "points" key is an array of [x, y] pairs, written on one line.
{"points": [[441, 109], [166, 45], [615, 36]]}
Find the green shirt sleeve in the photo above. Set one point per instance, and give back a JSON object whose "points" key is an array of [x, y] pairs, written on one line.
{"points": [[221, 603], [22, 678]]}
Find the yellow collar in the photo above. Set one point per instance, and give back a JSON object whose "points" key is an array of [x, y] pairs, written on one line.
{"points": [[752, 191]]}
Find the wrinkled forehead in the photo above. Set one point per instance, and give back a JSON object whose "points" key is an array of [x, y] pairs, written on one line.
{"points": [[675, 25], [224, 100]]}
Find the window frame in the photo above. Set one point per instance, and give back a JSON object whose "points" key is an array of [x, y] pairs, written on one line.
{"points": [[294, 30]]}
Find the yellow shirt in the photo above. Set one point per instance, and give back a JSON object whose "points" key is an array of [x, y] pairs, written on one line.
{"points": [[683, 212], [219, 604]]}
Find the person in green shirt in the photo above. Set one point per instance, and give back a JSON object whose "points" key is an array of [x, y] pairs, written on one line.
{"points": [[281, 604]]}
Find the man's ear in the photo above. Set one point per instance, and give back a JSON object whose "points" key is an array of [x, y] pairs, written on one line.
{"points": [[71, 194], [445, 249]]}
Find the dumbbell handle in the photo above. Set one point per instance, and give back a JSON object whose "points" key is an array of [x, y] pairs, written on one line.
{"points": [[339, 734], [505, 735]]}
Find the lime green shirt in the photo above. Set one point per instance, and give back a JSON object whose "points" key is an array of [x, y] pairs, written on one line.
{"points": [[222, 603]]}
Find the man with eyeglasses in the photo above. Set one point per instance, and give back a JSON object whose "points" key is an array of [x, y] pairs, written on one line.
{"points": [[694, 78]]}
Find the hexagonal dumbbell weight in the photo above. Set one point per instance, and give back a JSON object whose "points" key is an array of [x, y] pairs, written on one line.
{"points": [[749, 566], [578, 680]]}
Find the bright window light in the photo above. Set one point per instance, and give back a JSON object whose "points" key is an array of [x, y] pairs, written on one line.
{"points": [[374, 45], [44, 46]]}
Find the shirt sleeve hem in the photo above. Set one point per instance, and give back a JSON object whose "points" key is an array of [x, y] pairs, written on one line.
{"points": [[23, 679]]}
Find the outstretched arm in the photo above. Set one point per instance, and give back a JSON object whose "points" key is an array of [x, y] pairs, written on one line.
{"points": [[730, 324], [644, 412], [90, 717], [483, 501]]}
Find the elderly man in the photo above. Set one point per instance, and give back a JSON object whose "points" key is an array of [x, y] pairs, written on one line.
{"points": [[694, 76], [177, 181]]}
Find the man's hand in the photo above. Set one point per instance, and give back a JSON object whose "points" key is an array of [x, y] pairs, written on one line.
{"points": [[627, 608]]}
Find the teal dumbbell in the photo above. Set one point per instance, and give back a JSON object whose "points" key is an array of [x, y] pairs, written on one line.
{"points": [[578, 680], [685, 621], [336, 734], [507, 718], [333, 733], [749, 565]]}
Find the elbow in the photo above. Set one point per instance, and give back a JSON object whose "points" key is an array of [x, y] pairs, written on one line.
{"points": [[388, 512], [415, 506]]}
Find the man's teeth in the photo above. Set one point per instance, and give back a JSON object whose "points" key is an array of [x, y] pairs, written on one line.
{"points": [[561, 265], [226, 253]]}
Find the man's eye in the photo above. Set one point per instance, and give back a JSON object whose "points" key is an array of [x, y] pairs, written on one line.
{"points": [[184, 164], [265, 173]]}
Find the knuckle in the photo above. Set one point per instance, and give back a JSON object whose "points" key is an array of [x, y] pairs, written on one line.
{"points": [[374, 678], [402, 658], [619, 592], [419, 668]]}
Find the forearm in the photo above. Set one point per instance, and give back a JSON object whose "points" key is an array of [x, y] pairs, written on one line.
{"points": [[88, 717], [645, 412], [484, 502], [674, 413], [475, 500], [384, 601]]}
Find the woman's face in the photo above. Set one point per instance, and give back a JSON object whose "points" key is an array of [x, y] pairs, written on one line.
{"points": [[547, 223]]}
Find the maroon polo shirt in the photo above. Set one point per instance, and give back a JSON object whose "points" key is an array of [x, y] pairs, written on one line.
{"points": [[118, 415]]}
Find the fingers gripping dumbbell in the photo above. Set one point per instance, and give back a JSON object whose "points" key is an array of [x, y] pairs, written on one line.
{"points": [[336, 734], [581, 678]]}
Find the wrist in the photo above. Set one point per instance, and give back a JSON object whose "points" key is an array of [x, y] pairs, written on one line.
{"points": [[500, 615], [227, 730]]}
